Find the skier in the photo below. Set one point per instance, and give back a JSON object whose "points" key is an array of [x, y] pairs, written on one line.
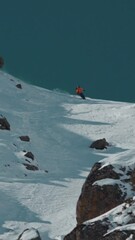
{"points": [[79, 91]]}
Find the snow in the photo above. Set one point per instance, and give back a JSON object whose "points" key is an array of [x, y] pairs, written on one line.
{"points": [[61, 128]]}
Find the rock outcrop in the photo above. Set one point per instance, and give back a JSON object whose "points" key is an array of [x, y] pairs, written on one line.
{"points": [[97, 199], [105, 208], [118, 224]]}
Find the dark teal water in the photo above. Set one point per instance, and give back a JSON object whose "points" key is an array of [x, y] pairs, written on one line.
{"points": [[60, 44]]}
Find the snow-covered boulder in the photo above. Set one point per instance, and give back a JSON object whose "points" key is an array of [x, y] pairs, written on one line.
{"points": [[29, 234]]}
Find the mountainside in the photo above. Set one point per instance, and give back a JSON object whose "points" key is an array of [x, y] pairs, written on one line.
{"points": [[46, 158]]}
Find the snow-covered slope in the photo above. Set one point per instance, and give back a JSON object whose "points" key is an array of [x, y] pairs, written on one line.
{"points": [[61, 127]]}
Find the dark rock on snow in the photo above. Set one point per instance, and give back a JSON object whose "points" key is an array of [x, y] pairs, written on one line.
{"points": [[25, 138], [100, 144], [29, 155], [19, 86], [30, 167], [4, 124]]}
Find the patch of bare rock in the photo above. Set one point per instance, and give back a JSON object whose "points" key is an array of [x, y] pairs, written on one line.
{"points": [[4, 124], [100, 144], [25, 138], [18, 85]]}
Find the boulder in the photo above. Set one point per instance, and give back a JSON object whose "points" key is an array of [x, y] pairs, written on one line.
{"points": [[100, 144], [29, 155], [96, 199], [25, 138], [19, 86], [30, 167], [29, 234], [4, 124]]}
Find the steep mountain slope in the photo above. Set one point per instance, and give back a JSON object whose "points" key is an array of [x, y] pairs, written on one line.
{"points": [[60, 127]]}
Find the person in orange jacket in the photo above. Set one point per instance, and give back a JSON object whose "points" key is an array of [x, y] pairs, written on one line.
{"points": [[79, 91]]}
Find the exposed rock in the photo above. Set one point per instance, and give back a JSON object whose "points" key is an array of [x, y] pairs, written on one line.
{"points": [[100, 144], [1, 62], [114, 225], [120, 235], [98, 231], [29, 155], [25, 138], [103, 210], [4, 124], [29, 234], [94, 231], [95, 199], [30, 167], [19, 86]]}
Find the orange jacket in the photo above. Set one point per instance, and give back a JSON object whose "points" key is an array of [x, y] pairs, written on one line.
{"points": [[79, 90]]}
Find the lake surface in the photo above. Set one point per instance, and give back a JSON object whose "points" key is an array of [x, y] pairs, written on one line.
{"points": [[62, 44]]}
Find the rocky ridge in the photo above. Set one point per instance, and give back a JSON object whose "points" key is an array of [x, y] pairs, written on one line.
{"points": [[105, 208]]}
